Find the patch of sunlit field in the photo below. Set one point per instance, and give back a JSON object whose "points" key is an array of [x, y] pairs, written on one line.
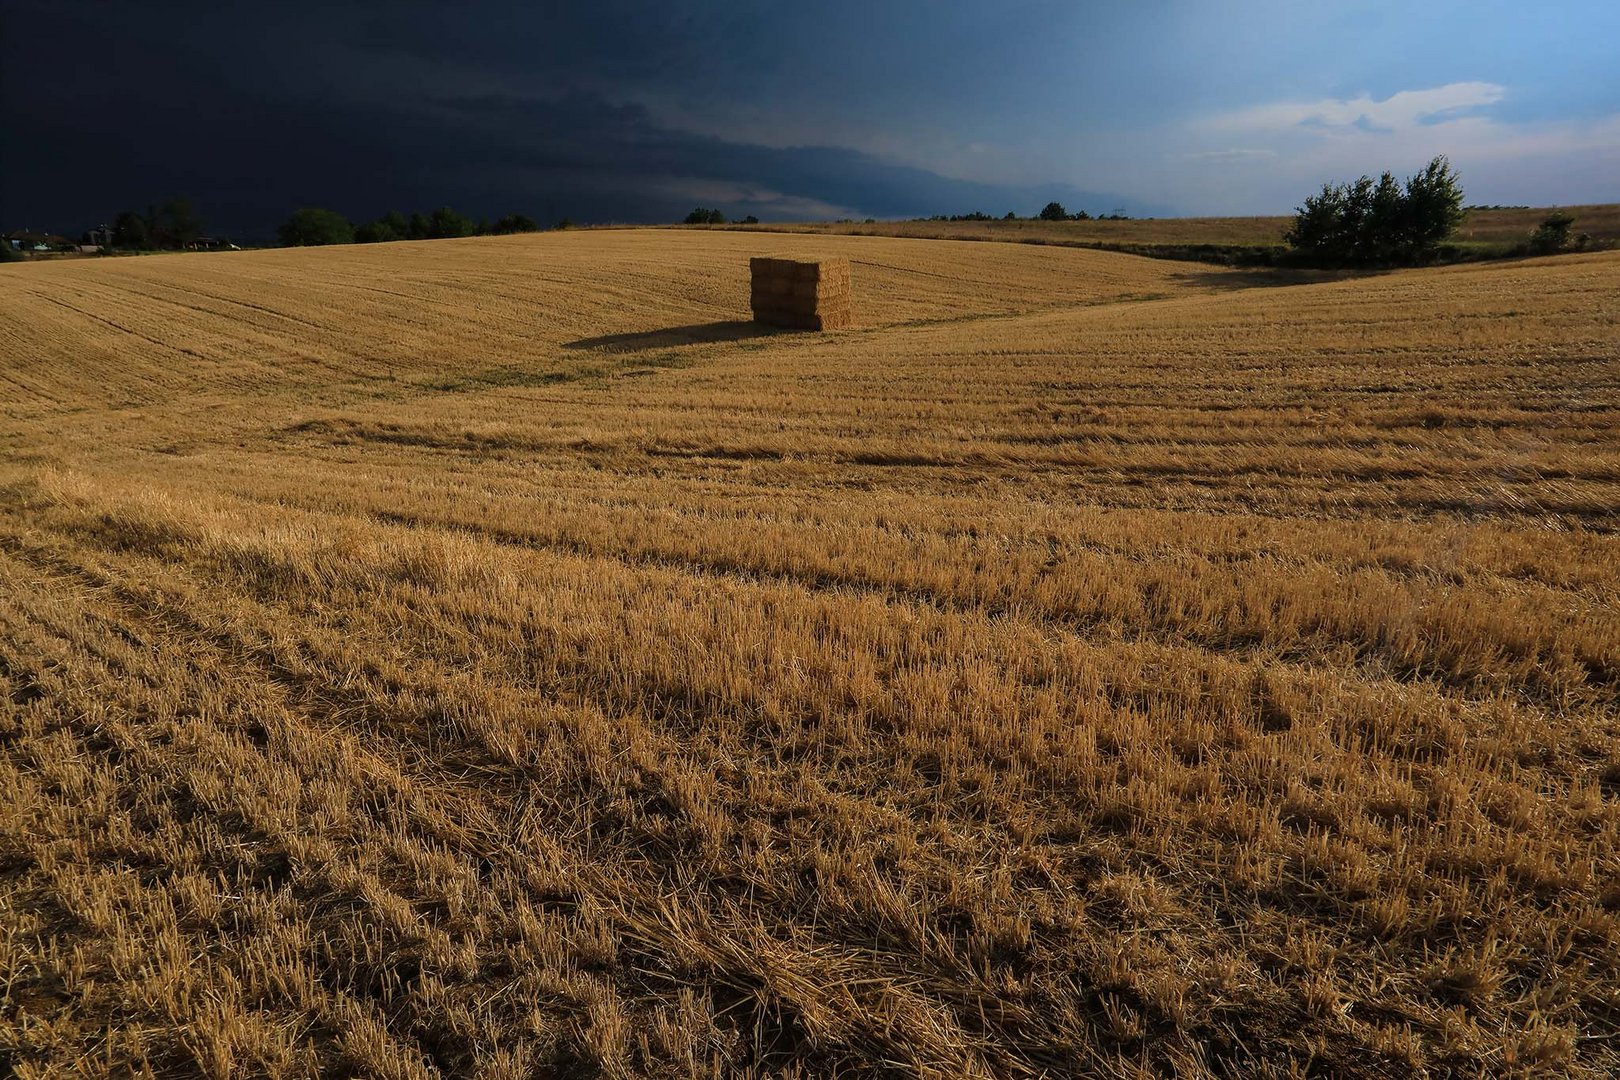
{"points": [[498, 658]]}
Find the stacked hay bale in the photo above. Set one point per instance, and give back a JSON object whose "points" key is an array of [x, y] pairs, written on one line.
{"points": [[801, 294]]}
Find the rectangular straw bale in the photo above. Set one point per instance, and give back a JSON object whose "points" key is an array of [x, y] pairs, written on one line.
{"points": [[801, 294], [768, 266], [835, 319], [833, 270], [823, 289], [799, 320], [806, 305]]}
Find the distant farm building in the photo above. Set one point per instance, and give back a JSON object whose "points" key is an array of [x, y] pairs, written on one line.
{"points": [[37, 241]]}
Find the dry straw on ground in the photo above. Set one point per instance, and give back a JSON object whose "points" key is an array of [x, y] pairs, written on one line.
{"points": [[414, 663]]}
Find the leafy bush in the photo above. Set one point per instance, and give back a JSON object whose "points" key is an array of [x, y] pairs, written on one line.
{"points": [[703, 216], [175, 224], [1552, 235], [391, 226], [313, 226], [445, 223], [514, 223], [131, 231], [1053, 211], [442, 223], [1369, 223]]}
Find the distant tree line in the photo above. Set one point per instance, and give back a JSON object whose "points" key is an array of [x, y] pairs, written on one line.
{"points": [[172, 226], [316, 226], [976, 215], [1052, 211], [702, 215]]}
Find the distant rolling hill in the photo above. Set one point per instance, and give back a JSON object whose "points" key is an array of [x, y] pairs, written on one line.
{"points": [[1484, 231]]}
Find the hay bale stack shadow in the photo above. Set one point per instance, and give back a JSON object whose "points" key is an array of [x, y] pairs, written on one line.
{"points": [[801, 294], [672, 337]]}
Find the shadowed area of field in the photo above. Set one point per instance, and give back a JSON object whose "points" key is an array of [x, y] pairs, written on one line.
{"points": [[495, 658], [673, 336]]}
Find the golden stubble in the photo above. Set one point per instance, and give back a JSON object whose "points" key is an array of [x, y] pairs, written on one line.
{"points": [[495, 658]]}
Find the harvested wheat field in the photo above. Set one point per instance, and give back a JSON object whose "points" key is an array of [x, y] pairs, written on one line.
{"points": [[499, 658]]}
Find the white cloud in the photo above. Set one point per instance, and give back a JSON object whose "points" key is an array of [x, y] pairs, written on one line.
{"points": [[1266, 157], [1398, 112]]}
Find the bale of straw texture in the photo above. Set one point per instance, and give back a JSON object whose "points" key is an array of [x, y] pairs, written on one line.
{"points": [[801, 294], [804, 305], [801, 269], [797, 320]]}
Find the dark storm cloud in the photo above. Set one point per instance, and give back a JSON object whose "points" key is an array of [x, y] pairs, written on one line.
{"points": [[253, 111]]}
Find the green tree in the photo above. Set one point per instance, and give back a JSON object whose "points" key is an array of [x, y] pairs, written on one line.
{"points": [[704, 216], [175, 224], [184, 221], [1368, 223], [391, 226], [131, 232], [1316, 227], [1053, 211], [375, 232], [420, 228], [1382, 228], [514, 223], [313, 226], [1434, 208], [1552, 235], [444, 223]]}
